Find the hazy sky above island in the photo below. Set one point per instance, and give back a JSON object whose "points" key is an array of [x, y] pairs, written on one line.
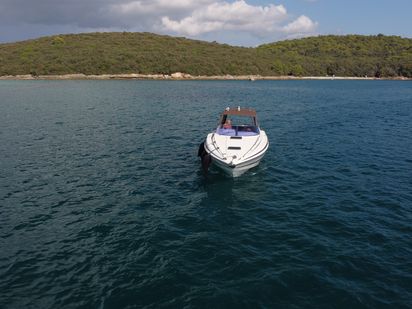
{"points": [[240, 22]]}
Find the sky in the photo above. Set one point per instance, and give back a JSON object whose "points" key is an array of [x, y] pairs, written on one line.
{"points": [[236, 22]]}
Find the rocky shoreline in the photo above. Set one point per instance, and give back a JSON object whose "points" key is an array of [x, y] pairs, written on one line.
{"points": [[184, 76]]}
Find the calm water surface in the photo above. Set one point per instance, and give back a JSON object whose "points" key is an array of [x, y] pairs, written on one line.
{"points": [[103, 203]]}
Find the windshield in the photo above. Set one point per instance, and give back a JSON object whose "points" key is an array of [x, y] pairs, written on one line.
{"points": [[235, 125]]}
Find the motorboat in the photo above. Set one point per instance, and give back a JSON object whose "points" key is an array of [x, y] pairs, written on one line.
{"points": [[237, 144]]}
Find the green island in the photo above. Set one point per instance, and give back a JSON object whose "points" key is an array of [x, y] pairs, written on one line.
{"points": [[377, 56]]}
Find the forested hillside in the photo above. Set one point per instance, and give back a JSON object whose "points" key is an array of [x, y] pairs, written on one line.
{"points": [[146, 53], [350, 55]]}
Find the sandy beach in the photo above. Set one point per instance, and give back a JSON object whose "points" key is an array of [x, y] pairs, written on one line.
{"points": [[184, 76]]}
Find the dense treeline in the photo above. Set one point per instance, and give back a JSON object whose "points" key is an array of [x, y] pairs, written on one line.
{"points": [[350, 55], [146, 53]]}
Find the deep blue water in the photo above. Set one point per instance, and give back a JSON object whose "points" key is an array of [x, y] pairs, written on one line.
{"points": [[103, 203]]}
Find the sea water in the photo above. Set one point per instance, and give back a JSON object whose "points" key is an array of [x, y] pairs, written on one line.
{"points": [[103, 202]]}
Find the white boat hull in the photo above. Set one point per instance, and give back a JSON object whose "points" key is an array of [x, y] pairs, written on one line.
{"points": [[235, 156], [237, 170]]}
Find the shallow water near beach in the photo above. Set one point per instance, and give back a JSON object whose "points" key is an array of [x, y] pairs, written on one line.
{"points": [[103, 203]]}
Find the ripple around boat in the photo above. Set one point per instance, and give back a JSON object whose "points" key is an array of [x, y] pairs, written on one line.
{"points": [[103, 202]]}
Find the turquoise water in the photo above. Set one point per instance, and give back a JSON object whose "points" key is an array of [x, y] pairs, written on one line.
{"points": [[103, 203]]}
